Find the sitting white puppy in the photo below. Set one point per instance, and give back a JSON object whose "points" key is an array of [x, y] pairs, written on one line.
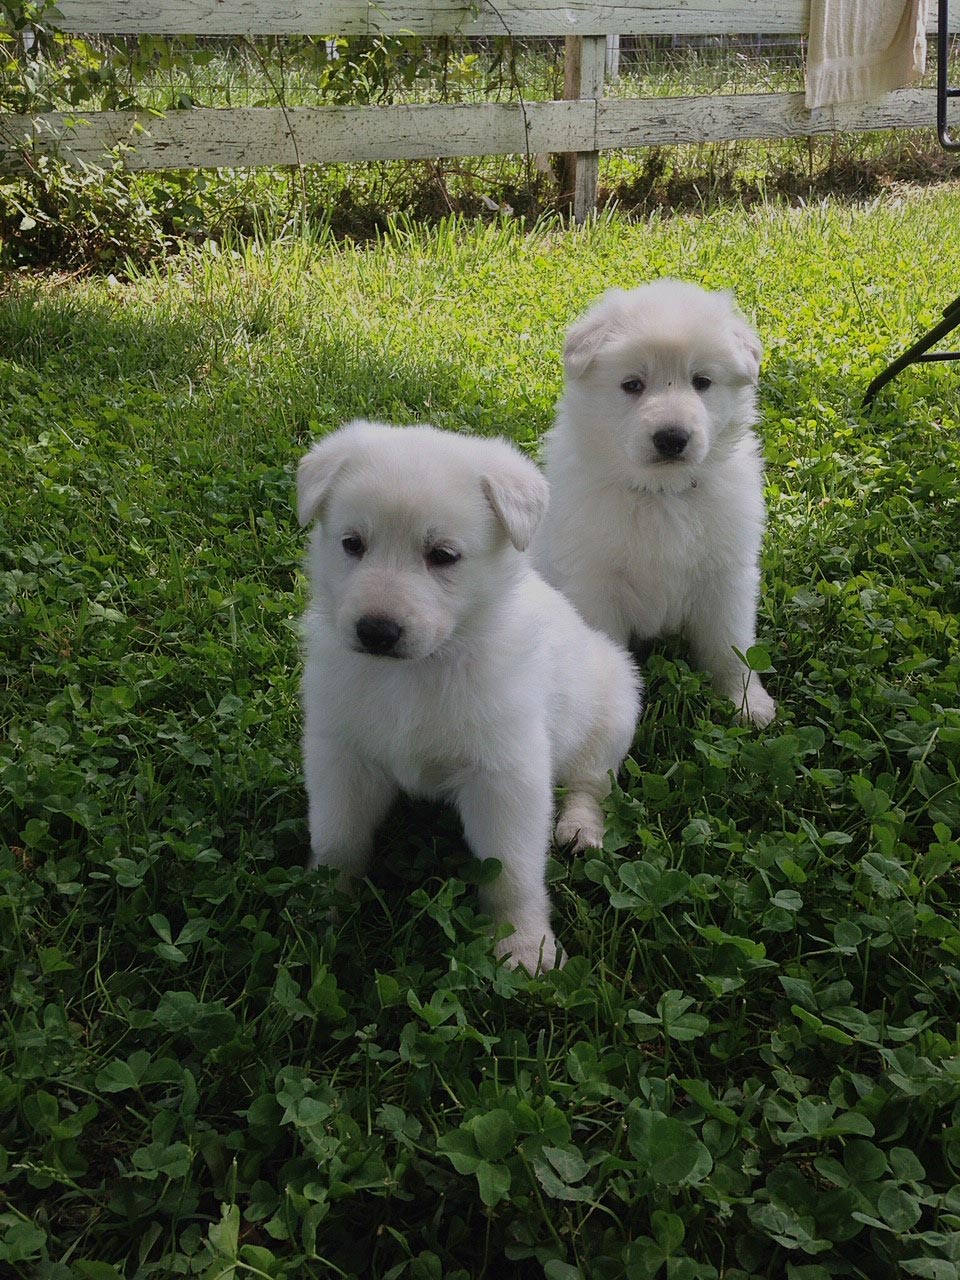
{"points": [[657, 510], [438, 662]]}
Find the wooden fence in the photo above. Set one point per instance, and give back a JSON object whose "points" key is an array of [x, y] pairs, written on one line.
{"points": [[585, 123]]}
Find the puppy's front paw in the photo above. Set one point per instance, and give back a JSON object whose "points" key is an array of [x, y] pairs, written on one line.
{"points": [[580, 825], [530, 952], [757, 707]]}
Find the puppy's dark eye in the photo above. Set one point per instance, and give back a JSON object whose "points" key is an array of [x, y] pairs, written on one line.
{"points": [[353, 545], [442, 557], [634, 386], [701, 382]]}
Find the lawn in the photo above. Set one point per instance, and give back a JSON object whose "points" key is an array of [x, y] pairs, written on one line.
{"points": [[749, 1066]]}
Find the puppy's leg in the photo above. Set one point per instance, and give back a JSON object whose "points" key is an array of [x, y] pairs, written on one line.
{"points": [[724, 620], [586, 776], [506, 815], [347, 801]]}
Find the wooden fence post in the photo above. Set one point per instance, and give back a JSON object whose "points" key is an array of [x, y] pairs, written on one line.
{"points": [[583, 67]]}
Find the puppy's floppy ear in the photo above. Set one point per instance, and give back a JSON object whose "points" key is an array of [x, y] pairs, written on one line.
{"points": [[748, 348], [518, 493], [587, 335], [318, 470]]}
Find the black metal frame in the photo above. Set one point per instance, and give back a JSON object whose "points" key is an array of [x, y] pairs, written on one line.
{"points": [[918, 353]]}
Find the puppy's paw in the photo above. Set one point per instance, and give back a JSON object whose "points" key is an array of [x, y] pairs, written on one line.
{"points": [[757, 707], [536, 954], [580, 825], [578, 835]]}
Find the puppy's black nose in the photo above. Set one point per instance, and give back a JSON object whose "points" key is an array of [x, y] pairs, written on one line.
{"points": [[378, 635], [670, 442]]}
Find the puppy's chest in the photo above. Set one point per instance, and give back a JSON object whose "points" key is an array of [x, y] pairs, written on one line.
{"points": [[663, 563], [426, 735], [430, 778], [668, 544]]}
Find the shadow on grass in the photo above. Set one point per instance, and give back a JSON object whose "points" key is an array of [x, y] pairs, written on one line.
{"points": [[44, 328], [247, 372]]}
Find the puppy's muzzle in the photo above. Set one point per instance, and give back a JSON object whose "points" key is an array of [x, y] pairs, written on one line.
{"points": [[670, 442], [378, 635]]}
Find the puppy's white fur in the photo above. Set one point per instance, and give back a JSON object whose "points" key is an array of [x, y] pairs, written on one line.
{"points": [[495, 688], [647, 546]]}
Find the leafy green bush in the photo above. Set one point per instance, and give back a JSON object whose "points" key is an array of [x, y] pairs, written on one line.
{"points": [[52, 214]]}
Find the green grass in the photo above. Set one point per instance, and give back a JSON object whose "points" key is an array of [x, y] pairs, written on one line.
{"points": [[750, 1065]]}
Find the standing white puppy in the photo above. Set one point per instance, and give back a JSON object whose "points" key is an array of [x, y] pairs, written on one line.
{"points": [[438, 662], [656, 481]]}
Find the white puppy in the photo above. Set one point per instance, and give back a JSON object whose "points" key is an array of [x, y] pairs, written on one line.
{"points": [[657, 510], [438, 662]]}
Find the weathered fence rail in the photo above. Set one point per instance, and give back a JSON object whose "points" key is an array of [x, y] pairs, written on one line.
{"points": [[585, 124], [437, 17]]}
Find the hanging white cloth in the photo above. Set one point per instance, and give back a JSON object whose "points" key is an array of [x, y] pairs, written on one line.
{"points": [[861, 49]]}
